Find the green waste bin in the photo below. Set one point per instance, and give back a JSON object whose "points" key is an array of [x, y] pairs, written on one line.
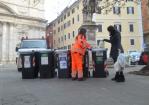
{"points": [[28, 65], [46, 63], [86, 65], [99, 58]]}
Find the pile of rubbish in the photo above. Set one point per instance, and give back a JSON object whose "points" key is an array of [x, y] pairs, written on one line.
{"points": [[144, 71]]}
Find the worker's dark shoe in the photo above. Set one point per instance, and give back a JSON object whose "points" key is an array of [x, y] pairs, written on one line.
{"points": [[81, 79], [116, 76], [74, 78]]}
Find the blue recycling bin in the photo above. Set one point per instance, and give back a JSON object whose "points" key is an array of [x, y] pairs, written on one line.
{"points": [[63, 58]]}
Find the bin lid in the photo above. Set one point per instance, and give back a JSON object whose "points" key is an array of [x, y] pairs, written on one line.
{"points": [[99, 49], [34, 50], [61, 51], [45, 50], [26, 52]]}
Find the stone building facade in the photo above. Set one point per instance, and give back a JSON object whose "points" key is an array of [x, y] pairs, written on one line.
{"points": [[19, 18], [127, 20]]}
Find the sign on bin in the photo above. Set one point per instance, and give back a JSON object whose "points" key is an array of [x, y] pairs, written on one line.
{"points": [[99, 53], [44, 59], [27, 63], [99, 60], [63, 61], [99, 57]]}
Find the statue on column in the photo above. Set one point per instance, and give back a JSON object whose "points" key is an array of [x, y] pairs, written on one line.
{"points": [[90, 7]]}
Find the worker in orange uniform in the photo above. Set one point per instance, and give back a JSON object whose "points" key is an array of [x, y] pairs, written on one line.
{"points": [[78, 50]]}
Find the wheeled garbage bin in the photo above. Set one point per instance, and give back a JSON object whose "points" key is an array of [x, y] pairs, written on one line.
{"points": [[63, 62], [46, 63], [86, 65], [99, 58], [28, 65]]}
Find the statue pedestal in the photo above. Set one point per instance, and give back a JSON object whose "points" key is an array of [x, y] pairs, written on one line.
{"points": [[91, 28]]}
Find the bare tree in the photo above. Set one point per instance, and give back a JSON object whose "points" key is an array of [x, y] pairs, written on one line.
{"points": [[106, 6]]}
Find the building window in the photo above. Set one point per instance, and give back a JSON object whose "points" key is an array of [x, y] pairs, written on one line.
{"points": [[130, 10], [64, 17], [99, 28], [68, 35], [116, 10], [132, 42], [61, 19], [65, 37], [68, 14], [118, 27], [78, 18], [73, 10], [73, 34], [78, 7], [99, 10], [59, 40], [129, 0], [58, 29], [65, 25], [131, 28], [65, 47], [69, 46], [98, 41], [58, 21], [72, 20], [68, 23]]}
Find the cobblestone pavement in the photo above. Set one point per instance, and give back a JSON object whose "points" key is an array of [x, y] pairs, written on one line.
{"points": [[15, 91]]}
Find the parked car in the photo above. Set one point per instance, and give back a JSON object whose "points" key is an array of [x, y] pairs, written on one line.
{"points": [[144, 58], [134, 57]]}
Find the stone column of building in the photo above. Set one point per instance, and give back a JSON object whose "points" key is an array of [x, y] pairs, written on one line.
{"points": [[4, 43], [1, 29], [12, 43]]}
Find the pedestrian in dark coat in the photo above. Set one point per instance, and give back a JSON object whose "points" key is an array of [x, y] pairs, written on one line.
{"points": [[116, 47], [115, 40]]}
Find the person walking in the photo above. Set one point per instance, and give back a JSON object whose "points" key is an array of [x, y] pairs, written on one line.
{"points": [[116, 46], [78, 50]]}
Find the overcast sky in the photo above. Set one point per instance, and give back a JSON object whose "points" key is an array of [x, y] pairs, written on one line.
{"points": [[54, 7]]}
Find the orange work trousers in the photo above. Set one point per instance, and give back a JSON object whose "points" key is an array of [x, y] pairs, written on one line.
{"points": [[77, 65]]}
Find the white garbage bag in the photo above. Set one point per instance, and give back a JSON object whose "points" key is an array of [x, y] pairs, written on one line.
{"points": [[120, 63], [90, 60], [121, 59], [101, 44]]}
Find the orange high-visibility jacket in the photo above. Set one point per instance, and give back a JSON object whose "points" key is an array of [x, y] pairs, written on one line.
{"points": [[80, 45]]}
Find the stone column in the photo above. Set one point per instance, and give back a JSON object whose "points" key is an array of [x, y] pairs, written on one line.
{"points": [[1, 29], [12, 44], [4, 43]]}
